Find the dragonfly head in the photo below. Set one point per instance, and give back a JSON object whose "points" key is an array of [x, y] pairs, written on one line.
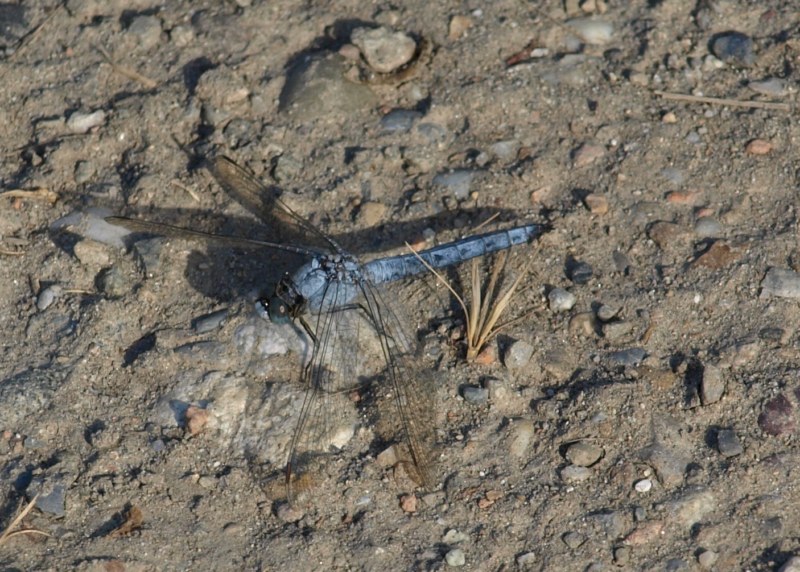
{"points": [[278, 310]]}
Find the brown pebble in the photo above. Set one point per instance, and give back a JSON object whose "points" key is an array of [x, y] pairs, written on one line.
{"points": [[646, 533], [664, 233], [597, 204], [458, 26], [683, 197], [287, 513], [583, 324], [408, 503], [758, 147], [587, 154], [487, 355], [669, 117], [196, 419], [717, 256]]}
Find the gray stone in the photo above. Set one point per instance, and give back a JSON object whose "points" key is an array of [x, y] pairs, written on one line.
{"points": [[80, 122], [457, 182], [47, 296], [317, 87], [728, 443], [791, 565], [383, 49], [146, 30], [691, 507], [52, 491], [518, 355], [712, 387], [707, 227], [455, 558], [209, 322], [584, 454], [561, 300], [630, 357], [575, 474], [734, 48], [781, 282], [617, 330], [475, 395], [399, 120]]}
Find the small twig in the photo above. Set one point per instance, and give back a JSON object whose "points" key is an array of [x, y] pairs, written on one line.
{"points": [[486, 222], [723, 101], [5, 252], [127, 72], [8, 531], [40, 194], [186, 189], [28, 38]]}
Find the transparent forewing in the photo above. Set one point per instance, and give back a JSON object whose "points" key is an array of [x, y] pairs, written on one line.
{"points": [[410, 381], [285, 224], [328, 417], [170, 231]]}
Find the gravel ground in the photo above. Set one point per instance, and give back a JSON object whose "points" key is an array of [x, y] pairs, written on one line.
{"points": [[641, 413]]}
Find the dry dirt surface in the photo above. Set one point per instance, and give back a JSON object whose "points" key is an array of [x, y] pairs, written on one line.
{"points": [[642, 412]]}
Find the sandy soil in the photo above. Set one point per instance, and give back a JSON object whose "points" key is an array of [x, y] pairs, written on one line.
{"points": [[650, 423]]}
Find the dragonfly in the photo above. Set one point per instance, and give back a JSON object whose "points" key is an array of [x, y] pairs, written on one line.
{"points": [[339, 300]]}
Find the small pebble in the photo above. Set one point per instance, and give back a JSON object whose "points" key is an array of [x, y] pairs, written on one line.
{"points": [[707, 227], [791, 565], [617, 330], [92, 253], [561, 300], [630, 357], [521, 436], [383, 49], [597, 204], [607, 312], [573, 540], [146, 30], [518, 355], [457, 182], [52, 493], [778, 417], [643, 485], [664, 233], [505, 150], [622, 555], [182, 35], [575, 474], [47, 296], [82, 122], [583, 323], [455, 558], [587, 154], [584, 454], [287, 168], [399, 120], [781, 283], [371, 213], [408, 503], [591, 30], [707, 559], [458, 27], [210, 321], [669, 118], [688, 198], [758, 147], [475, 395], [773, 87], [728, 443], [580, 272], [454, 536], [526, 559], [113, 282], [734, 48], [84, 171], [287, 513], [692, 506], [712, 386]]}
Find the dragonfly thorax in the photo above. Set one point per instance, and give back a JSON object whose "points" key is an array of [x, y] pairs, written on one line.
{"points": [[323, 284]]}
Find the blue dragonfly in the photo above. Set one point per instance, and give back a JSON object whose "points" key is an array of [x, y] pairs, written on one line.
{"points": [[334, 296]]}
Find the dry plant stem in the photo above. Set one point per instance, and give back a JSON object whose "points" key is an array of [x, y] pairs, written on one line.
{"points": [[127, 72], [723, 101], [8, 531]]}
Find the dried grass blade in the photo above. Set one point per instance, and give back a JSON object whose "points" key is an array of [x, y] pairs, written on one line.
{"points": [[497, 270], [442, 280], [498, 308], [7, 532]]}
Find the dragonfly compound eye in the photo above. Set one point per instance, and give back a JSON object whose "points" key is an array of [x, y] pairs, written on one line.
{"points": [[278, 310]]}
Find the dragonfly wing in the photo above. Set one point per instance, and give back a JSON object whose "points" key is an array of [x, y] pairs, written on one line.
{"points": [[412, 385], [262, 201], [328, 416], [170, 231]]}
